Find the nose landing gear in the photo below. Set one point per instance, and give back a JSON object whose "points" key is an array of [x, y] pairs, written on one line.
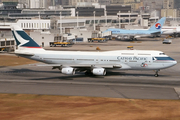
{"points": [[156, 73]]}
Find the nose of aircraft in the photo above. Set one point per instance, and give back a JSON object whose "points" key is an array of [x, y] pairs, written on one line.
{"points": [[174, 62]]}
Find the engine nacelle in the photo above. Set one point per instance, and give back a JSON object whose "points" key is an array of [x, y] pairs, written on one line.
{"points": [[125, 37], [68, 71], [119, 37], [99, 71]]}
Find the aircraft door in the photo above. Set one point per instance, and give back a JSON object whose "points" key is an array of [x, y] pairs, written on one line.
{"points": [[147, 62]]}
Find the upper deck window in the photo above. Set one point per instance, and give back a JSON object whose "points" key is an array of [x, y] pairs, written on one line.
{"points": [[161, 53]]}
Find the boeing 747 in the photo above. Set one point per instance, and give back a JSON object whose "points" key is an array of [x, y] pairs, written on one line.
{"points": [[96, 63], [155, 30]]}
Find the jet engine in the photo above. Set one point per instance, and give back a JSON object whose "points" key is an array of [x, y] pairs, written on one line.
{"points": [[119, 37], [68, 71], [99, 71], [125, 37]]}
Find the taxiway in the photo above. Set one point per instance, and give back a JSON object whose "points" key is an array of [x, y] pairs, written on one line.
{"points": [[28, 79]]}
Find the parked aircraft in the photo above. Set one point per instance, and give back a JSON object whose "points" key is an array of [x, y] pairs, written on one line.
{"points": [[96, 63], [167, 30], [155, 30], [171, 30]]}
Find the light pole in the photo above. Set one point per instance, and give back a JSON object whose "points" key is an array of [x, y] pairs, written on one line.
{"points": [[129, 17], [175, 14], [39, 21], [60, 22], [119, 19], [164, 13], [155, 16], [106, 16], [94, 20], [77, 19]]}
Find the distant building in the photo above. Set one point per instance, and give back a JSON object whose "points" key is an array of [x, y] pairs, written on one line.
{"points": [[177, 4], [171, 8], [171, 4], [49, 3], [153, 4], [89, 11], [104, 2], [42, 38], [114, 9], [122, 1], [8, 7], [24, 3], [34, 24], [136, 6], [43, 13], [101, 2], [168, 4], [172, 13], [37, 3], [62, 2]]}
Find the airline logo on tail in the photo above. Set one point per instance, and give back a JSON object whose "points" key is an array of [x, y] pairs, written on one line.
{"points": [[22, 39], [158, 26]]}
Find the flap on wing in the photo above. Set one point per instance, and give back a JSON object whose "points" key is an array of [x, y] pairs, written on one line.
{"points": [[83, 65]]}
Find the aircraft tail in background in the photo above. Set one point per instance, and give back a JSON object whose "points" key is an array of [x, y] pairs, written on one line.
{"points": [[158, 25]]}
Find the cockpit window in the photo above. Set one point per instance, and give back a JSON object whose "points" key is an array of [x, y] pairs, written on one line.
{"points": [[163, 58], [161, 53]]}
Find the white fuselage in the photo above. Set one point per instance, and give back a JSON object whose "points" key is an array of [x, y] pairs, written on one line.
{"points": [[126, 59], [169, 30]]}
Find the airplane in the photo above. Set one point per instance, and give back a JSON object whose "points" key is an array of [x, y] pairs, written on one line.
{"points": [[168, 30], [155, 30], [92, 63], [171, 30]]}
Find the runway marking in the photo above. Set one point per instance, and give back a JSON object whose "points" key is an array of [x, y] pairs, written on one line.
{"points": [[84, 83], [177, 90], [117, 92]]}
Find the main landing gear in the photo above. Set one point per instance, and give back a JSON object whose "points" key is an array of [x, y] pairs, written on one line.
{"points": [[133, 39], [156, 73], [89, 73]]}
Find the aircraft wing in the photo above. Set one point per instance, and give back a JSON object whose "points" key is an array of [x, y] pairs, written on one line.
{"points": [[83, 65], [156, 33]]}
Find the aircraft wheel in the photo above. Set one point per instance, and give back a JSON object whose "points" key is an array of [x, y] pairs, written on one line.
{"points": [[156, 75]]}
